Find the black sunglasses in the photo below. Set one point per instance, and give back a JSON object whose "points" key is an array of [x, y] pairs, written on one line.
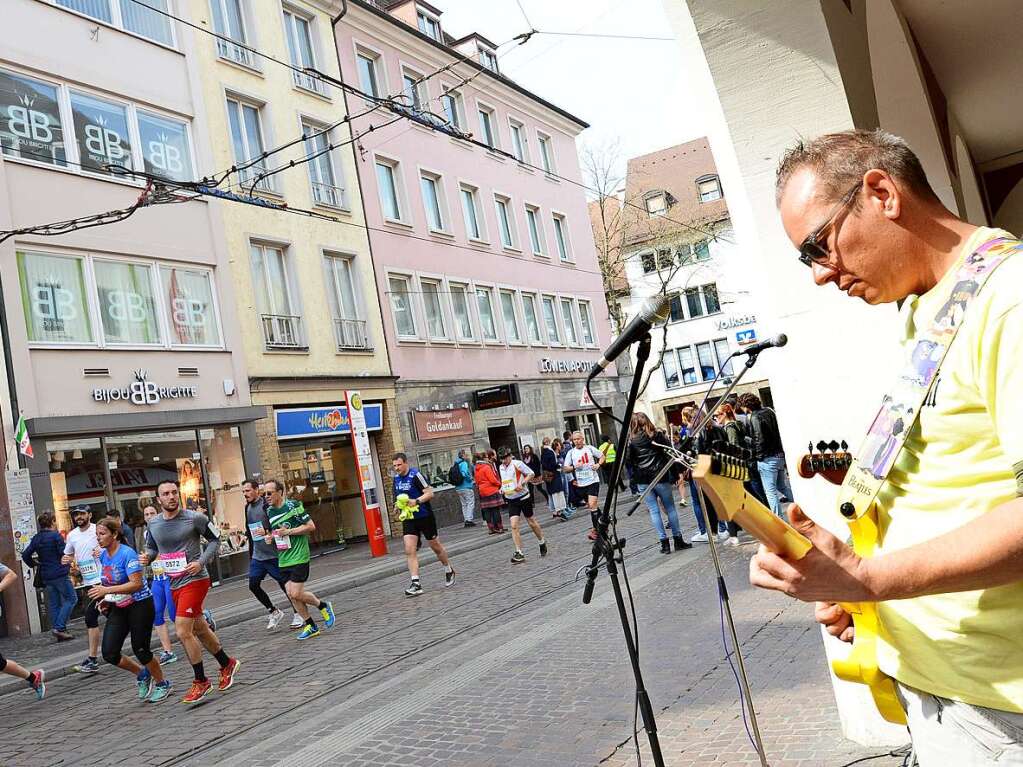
{"points": [[811, 250]]}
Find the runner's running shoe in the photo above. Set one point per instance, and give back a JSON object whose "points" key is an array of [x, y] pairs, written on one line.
{"points": [[87, 666], [309, 632], [414, 589], [296, 622], [160, 691], [227, 674], [543, 549], [198, 691], [449, 578], [167, 657], [328, 615], [145, 683], [275, 620], [518, 558], [37, 683]]}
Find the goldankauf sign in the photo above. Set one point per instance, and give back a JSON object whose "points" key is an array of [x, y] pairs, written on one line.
{"points": [[143, 392]]}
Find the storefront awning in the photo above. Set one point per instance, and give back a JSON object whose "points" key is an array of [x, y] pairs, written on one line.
{"points": [[161, 420], [306, 422]]}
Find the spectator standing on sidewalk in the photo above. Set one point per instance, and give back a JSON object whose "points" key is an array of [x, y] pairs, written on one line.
{"points": [[645, 460], [532, 460], [706, 438], [46, 552], [34, 679], [465, 487], [550, 467], [263, 553], [607, 469], [515, 476], [767, 450], [489, 483]]}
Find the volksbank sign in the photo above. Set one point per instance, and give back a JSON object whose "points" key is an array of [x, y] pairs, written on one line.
{"points": [[143, 392]]}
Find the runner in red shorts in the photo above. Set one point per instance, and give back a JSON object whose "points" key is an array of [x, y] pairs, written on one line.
{"points": [[174, 539]]}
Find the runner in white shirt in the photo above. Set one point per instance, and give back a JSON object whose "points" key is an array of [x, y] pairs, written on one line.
{"points": [[585, 460], [79, 552], [515, 476]]}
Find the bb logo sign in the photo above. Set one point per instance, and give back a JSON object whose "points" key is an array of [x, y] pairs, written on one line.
{"points": [[143, 392]]}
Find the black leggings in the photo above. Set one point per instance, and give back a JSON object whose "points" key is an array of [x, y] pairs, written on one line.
{"points": [[91, 615], [135, 619]]}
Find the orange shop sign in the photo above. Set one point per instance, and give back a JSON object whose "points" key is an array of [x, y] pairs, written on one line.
{"points": [[437, 424]]}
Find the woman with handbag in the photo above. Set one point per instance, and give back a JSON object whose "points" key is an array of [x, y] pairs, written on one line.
{"points": [[645, 460], [44, 554], [550, 474], [489, 483], [532, 460]]}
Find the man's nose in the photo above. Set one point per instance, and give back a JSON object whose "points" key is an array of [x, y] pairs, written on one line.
{"points": [[823, 274]]}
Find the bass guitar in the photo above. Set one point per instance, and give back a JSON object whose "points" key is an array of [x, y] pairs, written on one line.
{"points": [[720, 476]]}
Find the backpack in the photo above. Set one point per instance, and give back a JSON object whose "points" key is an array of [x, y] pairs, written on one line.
{"points": [[455, 476]]}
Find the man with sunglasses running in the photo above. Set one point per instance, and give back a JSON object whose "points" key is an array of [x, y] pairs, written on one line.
{"points": [[947, 574]]}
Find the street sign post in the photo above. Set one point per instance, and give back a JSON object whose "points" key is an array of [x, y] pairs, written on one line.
{"points": [[367, 474]]}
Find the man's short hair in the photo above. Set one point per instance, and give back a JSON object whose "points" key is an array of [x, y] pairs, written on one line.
{"points": [[165, 482], [839, 160], [278, 485], [254, 484], [750, 401], [504, 452], [400, 457]]}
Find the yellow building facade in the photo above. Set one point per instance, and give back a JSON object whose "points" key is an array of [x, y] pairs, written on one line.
{"points": [[309, 313]]}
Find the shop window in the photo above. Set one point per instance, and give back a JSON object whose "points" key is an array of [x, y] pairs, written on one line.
{"points": [[127, 304], [77, 478], [434, 465], [189, 296], [140, 462], [323, 477]]}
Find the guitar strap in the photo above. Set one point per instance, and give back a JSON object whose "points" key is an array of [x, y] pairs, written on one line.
{"points": [[900, 409]]}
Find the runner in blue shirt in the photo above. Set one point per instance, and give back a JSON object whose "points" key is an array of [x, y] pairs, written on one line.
{"points": [[408, 481], [128, 605]]}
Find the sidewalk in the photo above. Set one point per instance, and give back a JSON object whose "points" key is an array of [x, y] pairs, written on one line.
{"points": [[232, 602]]}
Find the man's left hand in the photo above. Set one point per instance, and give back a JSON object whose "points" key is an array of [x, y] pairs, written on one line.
{"points": [[193, 568], [830, 572]]}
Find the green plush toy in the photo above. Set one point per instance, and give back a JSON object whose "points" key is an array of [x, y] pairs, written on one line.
{"points": [[406, 507]]}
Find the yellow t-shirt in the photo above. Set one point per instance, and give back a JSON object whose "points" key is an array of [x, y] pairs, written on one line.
{"points": [[957, 465]]}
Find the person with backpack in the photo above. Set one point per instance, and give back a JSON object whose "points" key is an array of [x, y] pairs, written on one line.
{"points": [[461, 476], [489, 483], [45, 554]]}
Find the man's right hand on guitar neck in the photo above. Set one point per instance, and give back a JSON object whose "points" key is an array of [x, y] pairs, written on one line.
{"points": [[835, 620]]}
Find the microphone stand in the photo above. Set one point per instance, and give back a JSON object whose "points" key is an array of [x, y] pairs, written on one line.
{"points": [[611, 552]]}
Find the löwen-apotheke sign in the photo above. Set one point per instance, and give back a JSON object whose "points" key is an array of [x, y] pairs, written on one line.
{"points": [[142, 391], [553, 367]]}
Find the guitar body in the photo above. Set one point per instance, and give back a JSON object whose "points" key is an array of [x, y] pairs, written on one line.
{"points": [[721, 478]]}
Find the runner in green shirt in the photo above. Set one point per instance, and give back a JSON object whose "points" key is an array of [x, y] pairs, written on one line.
{"points": [[291, 526]]}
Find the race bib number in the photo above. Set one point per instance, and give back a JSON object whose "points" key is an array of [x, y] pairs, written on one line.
{"points": [[119, 600], [89, 568], [173, 563], [584, 475], [256, 529], [507, 486], [283, 542], [157, 566]]}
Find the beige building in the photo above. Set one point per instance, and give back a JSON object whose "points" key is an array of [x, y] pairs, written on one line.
{"points": [[308, 314]]}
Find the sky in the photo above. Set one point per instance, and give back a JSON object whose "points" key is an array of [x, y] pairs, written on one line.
{"points": [[629, 91]]}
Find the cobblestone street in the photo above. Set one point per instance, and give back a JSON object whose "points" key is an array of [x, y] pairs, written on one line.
{"points": [[507, 667]]}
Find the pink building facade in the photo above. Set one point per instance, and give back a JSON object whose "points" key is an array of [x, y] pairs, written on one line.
{"points": [[485, 263]]}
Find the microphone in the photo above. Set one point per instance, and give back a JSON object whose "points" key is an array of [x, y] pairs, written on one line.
{"points": [[779, 340], [654, 310]]}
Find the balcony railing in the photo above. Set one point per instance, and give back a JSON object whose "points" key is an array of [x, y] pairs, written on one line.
{"points": [[236, 53], [325, 194], [350, 334], [309, 82], [283, 331]]}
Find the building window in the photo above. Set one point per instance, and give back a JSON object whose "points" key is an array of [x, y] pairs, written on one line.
{"points": [[670, 367], [561, 237], [349, 327], [33, 129], [166, 150], [586, 318], [229, 22], [657, 204], [510, 317], [688, 365], [193, 316], [278, 308], [322, 179], [487, 133], [428, 25], [54, 294], [298, 31], [414, 89], [705, 355], [519, 145], [568, 318], [127, 303], [710, 298], [463, 317], [390, 197], [532, 321], [401, 307], [485, 306], [454, 108], [708, 188], [488, 59], [246, 123], [701, 250], [101, 130], [649, 262], [546, 152], [675, 307], [550, 320], [436, 326], [474, 229], [129, 15], [502, 206], [693, 303], [431, 187], [665, 260], [723, 353], [369, 82], [536, 237]]}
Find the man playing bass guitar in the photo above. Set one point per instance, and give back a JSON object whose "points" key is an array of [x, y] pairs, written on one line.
{"points": [[946, 573]]}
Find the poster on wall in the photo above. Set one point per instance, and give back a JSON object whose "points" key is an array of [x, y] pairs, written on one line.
{"points": [[23, 511], [190, 484]]}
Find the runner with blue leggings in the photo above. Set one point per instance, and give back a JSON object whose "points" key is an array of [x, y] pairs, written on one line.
{"points": [[163, 605]]}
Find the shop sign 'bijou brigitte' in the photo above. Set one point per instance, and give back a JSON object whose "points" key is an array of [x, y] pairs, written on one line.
{"points": [[143, 392]]}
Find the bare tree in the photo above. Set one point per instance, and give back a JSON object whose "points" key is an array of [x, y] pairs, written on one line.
{"points": [[600, 168]]}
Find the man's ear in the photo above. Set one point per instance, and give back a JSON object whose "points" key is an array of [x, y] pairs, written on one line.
{"points": [[882, 193]]}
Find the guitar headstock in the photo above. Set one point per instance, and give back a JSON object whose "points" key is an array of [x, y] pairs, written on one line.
{"points": [[730, 461], [830, 460]]}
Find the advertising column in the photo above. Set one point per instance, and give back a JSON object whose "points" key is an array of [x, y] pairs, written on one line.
{"points": [[366, 473]]}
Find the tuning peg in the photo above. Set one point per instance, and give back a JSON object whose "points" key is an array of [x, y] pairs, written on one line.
{"points": [[845, 446], [809, 448], [833, 446], [822, 446]]}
